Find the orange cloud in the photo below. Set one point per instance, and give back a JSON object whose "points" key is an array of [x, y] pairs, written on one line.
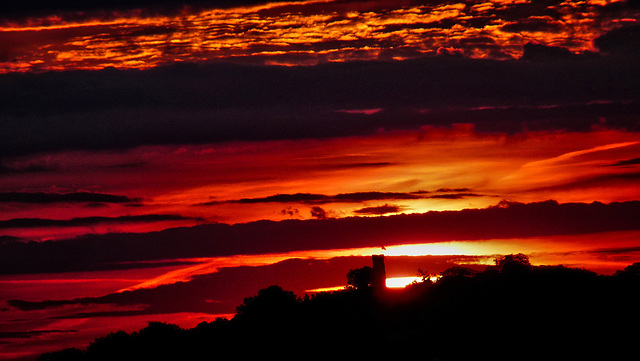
{"points": [[405, 167], [299, 33]]}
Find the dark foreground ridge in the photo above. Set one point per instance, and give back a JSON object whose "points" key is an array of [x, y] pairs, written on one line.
{"points": [[511, 311]]}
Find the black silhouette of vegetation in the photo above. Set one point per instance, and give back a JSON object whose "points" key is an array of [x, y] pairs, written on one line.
{"points": [[359, 278], [509, 311]]}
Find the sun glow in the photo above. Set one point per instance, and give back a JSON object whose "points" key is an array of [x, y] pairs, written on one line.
{"points": [[210, 265], [433, 249], [326, 289], [391, 282], [401, 282]]}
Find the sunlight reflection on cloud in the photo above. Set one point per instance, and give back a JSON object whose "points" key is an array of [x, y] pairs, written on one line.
{"points": [[272, 33]]}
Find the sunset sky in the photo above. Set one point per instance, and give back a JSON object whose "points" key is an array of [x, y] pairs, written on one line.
{"points": [[162, 160]]}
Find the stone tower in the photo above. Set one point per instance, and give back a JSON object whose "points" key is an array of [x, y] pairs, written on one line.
{"points": [[379, 272]]}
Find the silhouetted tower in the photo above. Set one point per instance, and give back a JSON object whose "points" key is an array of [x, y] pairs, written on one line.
{"points": [[379, 272]]}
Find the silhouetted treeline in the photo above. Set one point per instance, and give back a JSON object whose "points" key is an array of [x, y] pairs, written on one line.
{"points": [[510, 311]]}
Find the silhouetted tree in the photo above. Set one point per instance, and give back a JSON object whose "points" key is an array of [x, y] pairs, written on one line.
{"points": [[68, 354], [112, 345], [360, 278], [424, 276], [270, 300], [513, 263], [630, 271], [458, 272]]}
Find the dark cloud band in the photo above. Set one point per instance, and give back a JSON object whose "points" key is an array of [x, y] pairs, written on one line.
{"points": [[200, 104], [508, 220], [19, 9], [355, 197], [87, 221], [379, 210], [77, 197]]}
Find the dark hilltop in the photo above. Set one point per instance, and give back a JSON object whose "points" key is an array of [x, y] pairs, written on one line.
{"points": [[509, 311]]}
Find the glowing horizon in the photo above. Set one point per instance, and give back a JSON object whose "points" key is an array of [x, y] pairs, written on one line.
{"points": [[551, 250]]}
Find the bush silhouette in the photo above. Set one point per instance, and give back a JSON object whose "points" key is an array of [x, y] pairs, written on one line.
{"points": [[270, 302]]}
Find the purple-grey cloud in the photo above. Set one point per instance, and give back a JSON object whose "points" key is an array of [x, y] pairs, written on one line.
{"points": [[379, 210], [311, 198], [354, 197]]}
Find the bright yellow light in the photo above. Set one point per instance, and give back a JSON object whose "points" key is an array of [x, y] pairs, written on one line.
{"points": [[400, 282], [434, 249], [543, 250], [326, 289]]}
